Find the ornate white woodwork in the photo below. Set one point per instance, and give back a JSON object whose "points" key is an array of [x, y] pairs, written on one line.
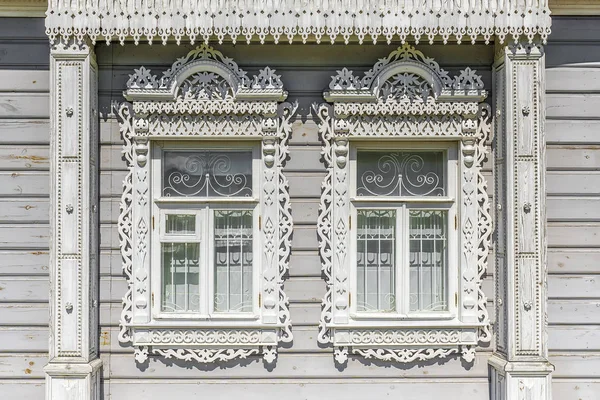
{"points": [[520, 363], [405, 96], [228, 107], [73, 369], [289, 19]]}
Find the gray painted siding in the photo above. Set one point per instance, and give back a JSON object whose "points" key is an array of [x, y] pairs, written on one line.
{"points": [[303, 371], [24, 188], [573, 177]]}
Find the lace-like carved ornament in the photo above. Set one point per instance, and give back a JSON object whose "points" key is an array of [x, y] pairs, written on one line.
{"points": [[405, 95], [205, 94]]}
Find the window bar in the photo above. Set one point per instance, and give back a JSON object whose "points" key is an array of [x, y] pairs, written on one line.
{"points": [[228, 291], [434, 269], [241, 262], [379, 268], [173, 287], [185, 278], [421, 283]]}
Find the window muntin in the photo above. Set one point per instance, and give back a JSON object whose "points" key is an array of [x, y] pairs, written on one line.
{"points": [[208, 230], [420, 284]]}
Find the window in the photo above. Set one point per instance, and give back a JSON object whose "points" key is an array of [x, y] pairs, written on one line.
{"points": [[208, 206], [205, 222], [402, 202], [404, 222]]}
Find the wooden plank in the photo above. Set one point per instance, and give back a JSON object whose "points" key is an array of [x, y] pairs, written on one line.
{"points": [[573, 157], [571, 234], [305, 211], [23, 389], [573, 183], [575, 389], [574, 28], [305, 184], [305, 159], [473, 389], [30, 131], [17, 314], [24, 81], [572, 132], [25, 263], [305, 263], [24, 236], [574, 311], [572, 54], [294, 366], [573, 261], [111, 183], [305, 238], [24, 340], [26, 157], [564, 208], [305, 133], [28, 210], [24, 105], [24, 289], [574, 338], [574, 286], [572, 79], [560, 105], [578, 366], [306, 289], [22, 183], [28, 366]]}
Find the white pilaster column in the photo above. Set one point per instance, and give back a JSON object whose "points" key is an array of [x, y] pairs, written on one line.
{"points": [[519, 366], [73, 370]]}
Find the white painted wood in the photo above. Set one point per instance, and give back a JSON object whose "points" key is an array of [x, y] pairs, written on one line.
{"points": [[573, 157], [22, 389], [576, 365], [573, 183], [24, 289], [570, 80], [24, 157], [24, 340], [574, 286], [24, 262], [25, 210], [21, 81], [24, 236], [25, 315], [31, 131], [575, 389], [573, 261], [405, 389], [574, 338], [24, 183], [561, 105], [574, 311], [24, 105], [565, 208], [567, 234], [573, 131]]}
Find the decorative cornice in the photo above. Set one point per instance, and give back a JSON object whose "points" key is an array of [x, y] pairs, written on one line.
{"points": [[291, 20]]}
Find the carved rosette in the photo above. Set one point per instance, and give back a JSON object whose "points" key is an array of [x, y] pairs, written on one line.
{"points": [[452, 110], [227, 105]]}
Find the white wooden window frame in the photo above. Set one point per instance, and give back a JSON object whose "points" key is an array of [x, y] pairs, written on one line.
{"points": [[203, 208], [180, 111], [366, 110], [402, 205]]}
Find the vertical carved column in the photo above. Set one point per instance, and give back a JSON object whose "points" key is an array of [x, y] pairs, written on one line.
{"points": [[520, 367], [73, 370]]}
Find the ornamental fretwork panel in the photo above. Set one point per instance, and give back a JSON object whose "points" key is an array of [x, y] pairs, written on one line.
{"points": [[205, 97], [405, 98]]}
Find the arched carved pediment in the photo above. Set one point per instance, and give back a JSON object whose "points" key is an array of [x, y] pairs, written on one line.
{"points": [[405, 74], [205, 74]]}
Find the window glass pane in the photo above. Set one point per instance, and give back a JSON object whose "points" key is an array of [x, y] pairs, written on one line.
{"points": [[428, 260], [210, 173], [376, 252], [180, 224], [181, 277], [400, 173], [233, 261]]}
